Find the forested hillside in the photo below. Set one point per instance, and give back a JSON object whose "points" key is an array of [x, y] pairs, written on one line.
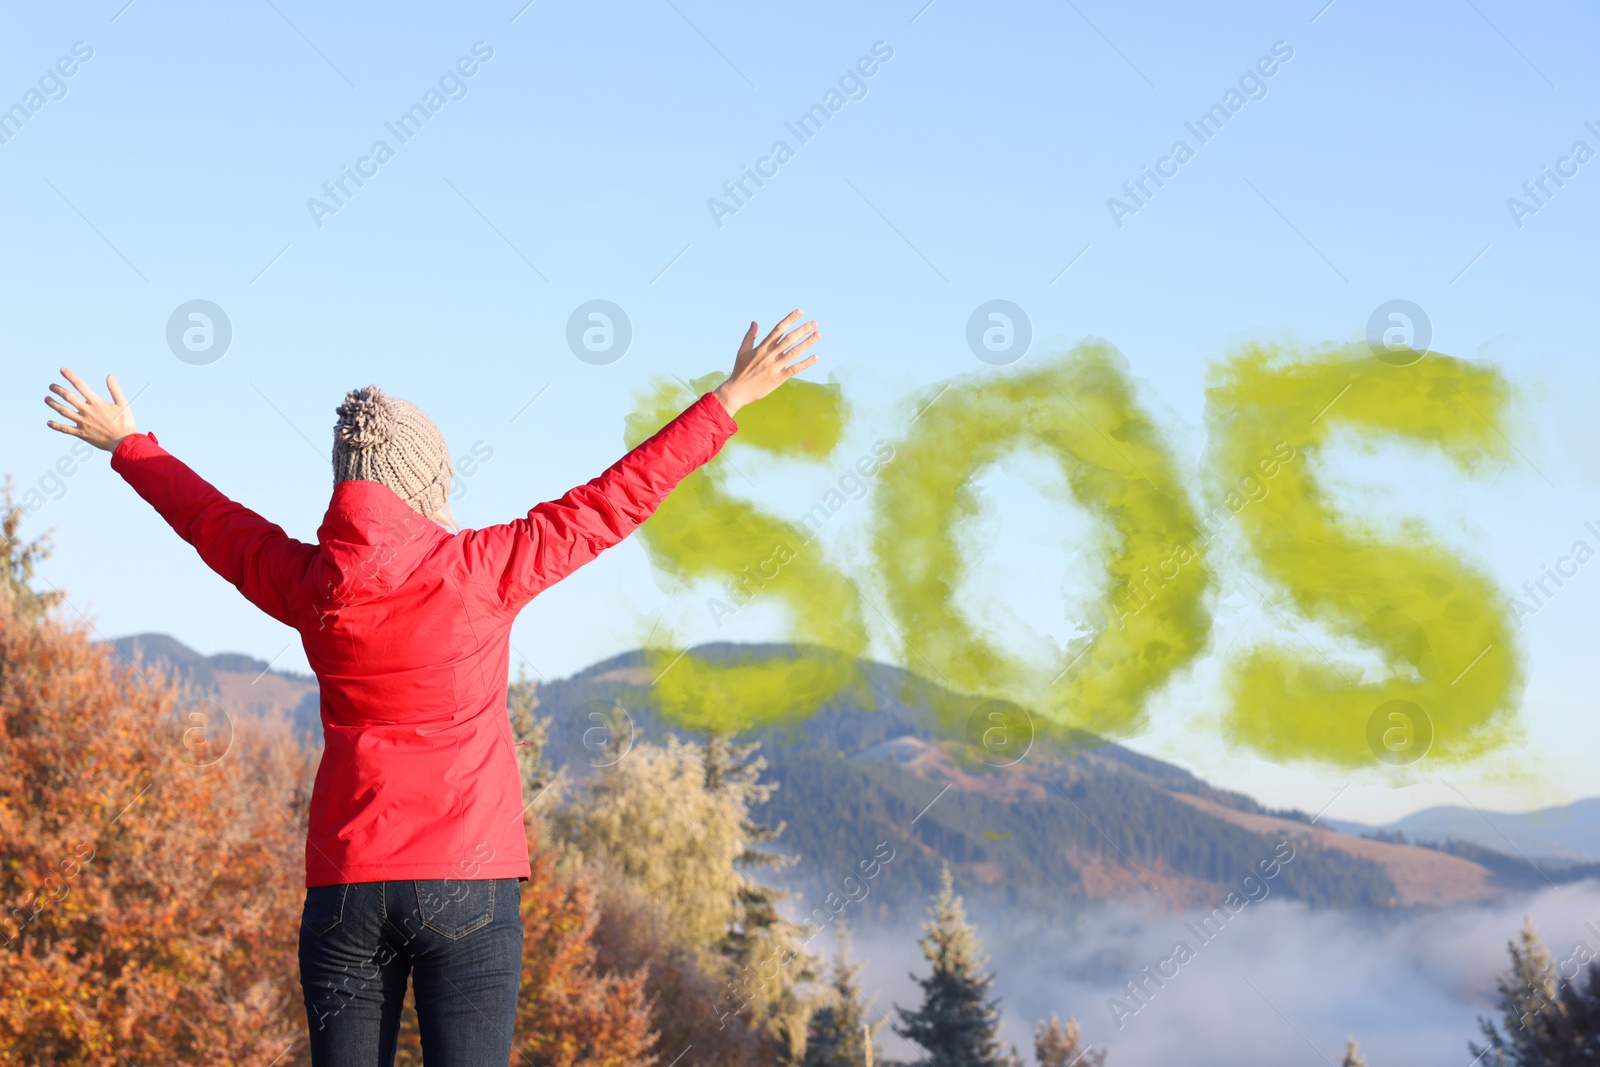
{"points": [[1078, 820]]}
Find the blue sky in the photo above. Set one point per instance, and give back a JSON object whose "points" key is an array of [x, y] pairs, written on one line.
{"points": [[577, 162]]}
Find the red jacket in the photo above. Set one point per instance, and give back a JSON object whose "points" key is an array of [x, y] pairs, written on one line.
{"points": [[408, 628]]}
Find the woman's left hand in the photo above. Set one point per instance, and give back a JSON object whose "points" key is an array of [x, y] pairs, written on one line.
{"points": [[758, 369], [102, 423]]}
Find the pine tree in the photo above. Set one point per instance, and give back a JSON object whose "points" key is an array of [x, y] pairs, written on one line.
{"points": [[1549, 1022], [1528, 1005], [1352, 1054], [734, 773], [958, 1023], [1576, 1028], [839, 1033], [1055, 1045], [767, 951]]}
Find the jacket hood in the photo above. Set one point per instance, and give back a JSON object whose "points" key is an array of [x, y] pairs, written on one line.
{"points": [[371, 542]]}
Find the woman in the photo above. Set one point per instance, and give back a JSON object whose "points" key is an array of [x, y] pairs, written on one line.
{"points": [[416, 851]]}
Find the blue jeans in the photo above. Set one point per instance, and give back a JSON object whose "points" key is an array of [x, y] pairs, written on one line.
{"points": [[460, 940]]}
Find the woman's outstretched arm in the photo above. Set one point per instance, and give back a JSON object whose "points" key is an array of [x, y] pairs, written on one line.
{"points": [[526, 556], [255, 555]]}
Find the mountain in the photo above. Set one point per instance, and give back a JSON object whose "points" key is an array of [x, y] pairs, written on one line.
{"points": [[1077, 821], [1569, 833], [239, 684], [1073, 823]]}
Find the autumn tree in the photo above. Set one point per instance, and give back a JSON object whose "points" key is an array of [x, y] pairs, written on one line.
{"points": [[958, 1022], [667, 834], [151, 858], [568, 1015]]}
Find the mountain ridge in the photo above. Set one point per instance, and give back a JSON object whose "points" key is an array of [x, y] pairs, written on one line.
{"points": [[1079, 821], [1562, 832]]}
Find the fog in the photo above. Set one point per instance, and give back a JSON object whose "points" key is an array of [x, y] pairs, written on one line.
{"points": [[1279, 984]]}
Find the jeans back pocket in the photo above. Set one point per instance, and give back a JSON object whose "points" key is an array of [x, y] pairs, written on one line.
{"points": [[455, 907], [324, 908]]}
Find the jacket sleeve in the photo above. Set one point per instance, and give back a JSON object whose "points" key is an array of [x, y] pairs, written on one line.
{"points": [[526, 556], [256, 556]]}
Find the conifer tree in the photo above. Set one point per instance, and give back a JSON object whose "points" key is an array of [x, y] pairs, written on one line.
{"points": [[1055, 1045], [1576, 1029], [767, 952], [1528, 1006], [1549, 1021], [839, 1034], [733, 772], [958, 1023]]}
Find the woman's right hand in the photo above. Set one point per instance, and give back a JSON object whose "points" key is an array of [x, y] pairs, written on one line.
{"points": [[758, 369]]}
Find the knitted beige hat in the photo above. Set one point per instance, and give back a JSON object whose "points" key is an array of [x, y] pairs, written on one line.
{"points": [[387, 440]]}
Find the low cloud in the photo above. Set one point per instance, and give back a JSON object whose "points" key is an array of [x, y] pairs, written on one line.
{"points": [[1408, 986]]}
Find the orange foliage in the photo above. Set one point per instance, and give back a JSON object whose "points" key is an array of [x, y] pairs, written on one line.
{"points": [[692, 1009], [567, 1017], [149, 907]]}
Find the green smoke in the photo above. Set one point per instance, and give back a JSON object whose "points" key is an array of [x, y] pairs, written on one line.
{"points": [[1440, 625], [1079, 410], [1454, 670], [702, 531]]}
